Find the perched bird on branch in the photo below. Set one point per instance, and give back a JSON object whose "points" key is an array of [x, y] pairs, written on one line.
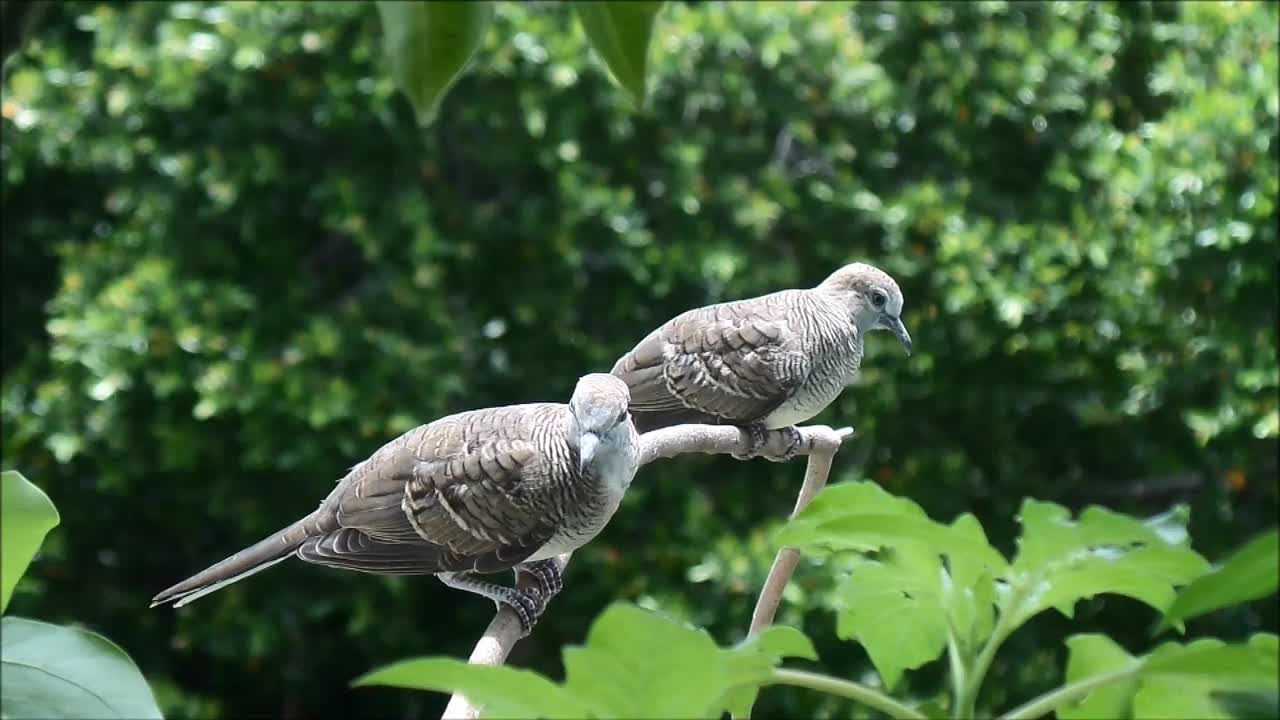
{"points": [[473, 493], [763, 363]]}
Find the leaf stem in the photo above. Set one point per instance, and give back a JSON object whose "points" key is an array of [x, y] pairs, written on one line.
{"points": [[846, 689], [1051, 701], [967, 698], [958, 670]]}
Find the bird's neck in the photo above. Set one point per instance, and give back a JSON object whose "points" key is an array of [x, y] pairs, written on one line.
{"points": [[614, 464]]}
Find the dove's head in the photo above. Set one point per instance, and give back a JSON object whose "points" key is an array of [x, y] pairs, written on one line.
{"points": [[599, 407], [873, 298]]}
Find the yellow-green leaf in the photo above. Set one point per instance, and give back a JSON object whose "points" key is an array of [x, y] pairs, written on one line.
{"points": [[1203, 679], [614, 674], [502, 691], [1062, 560], [1092, 655], [1251, 573], [26, 516]]}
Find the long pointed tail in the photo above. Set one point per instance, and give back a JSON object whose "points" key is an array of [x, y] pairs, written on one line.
{"points": [[252, 559]]}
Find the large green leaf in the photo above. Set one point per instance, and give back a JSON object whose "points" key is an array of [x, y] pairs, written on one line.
{"points": [[1203, 679], [26, 516], [1090, 656], [502, 691], [615, 673], [1061, 560], [1251, 573], [893, 607], [862, 516], [918, 577], [620, 33], [52, 671], [772, 644], [429, 44]]}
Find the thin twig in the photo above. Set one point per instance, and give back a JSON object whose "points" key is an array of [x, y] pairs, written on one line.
{"points": [[816, 441]]}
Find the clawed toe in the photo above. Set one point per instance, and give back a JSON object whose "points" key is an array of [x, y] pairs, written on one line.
{"points": [[794, 442], [756, 437], [546, 573], [528, 607]]}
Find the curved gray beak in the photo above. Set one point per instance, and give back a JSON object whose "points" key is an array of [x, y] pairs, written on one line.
{"points": [[587, 444], [895, 324]]}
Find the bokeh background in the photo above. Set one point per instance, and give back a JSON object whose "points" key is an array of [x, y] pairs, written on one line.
{"points": [[233, 267]]}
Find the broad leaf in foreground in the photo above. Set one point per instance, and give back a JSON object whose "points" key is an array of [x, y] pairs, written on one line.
{"points": [[862, 516], [1091, 656], [614, 674], [54, 671], [1062, 560], [917, 577], [1175, 680], [1252, 572], [26, 516], [893, 608], [502, 691]]}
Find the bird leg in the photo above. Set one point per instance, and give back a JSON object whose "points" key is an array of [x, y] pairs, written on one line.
{"points": [[794, 441], [756, 437], [527, 605], [546, 573]]}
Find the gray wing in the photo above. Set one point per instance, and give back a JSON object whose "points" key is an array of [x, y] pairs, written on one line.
{"points": [[458, 494], [733, 362]]}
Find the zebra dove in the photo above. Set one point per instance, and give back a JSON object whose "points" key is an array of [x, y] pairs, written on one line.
{"points": [[764, 363], [476, 492]]}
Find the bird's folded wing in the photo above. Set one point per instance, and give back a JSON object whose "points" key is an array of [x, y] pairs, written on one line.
{"points": [[455, 500], [730, 361]]}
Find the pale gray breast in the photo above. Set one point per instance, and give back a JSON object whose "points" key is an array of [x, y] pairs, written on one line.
{"points": [[592, 498], [834, 347]]}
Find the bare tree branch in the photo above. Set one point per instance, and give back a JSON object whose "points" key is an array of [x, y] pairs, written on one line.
{"points": [[815, 478], [819, 442]]}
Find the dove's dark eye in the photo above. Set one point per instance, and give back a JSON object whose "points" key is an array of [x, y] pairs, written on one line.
{"points": [[878, 298], [622, 417]]}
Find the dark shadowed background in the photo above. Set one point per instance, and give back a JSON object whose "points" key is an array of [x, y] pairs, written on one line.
{"points": [[233, 267]]}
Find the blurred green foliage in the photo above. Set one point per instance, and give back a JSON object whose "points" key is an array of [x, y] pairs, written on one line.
{"points": [[233, 267]]}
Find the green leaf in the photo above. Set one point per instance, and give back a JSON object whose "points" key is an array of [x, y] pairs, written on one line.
{"points": [[26, 516], [774, 643], [614, 674], [968, 587], [429, 45], [1247, 704], [893, 608], [1200, 679], [53, 671], [1239, 665], [501, 691], [1251, 573], [922, 577], [620, 33], [1061, 560], [862, 516], [1092, 655]]}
